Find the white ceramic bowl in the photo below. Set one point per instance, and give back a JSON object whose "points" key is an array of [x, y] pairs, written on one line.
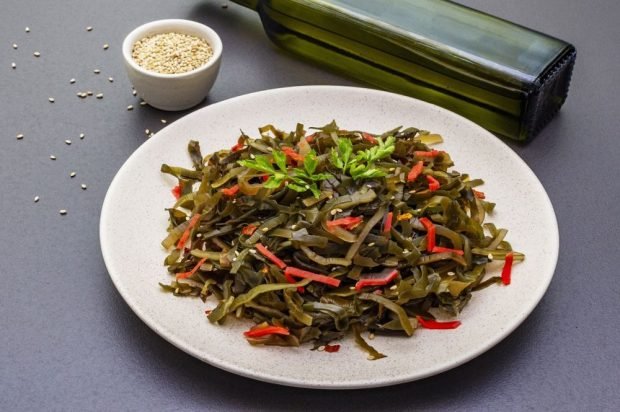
{"points": [[173, 91]]}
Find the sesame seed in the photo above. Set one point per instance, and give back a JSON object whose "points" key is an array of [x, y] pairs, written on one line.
{"points": [[52, 157], [391, 169], [13, 65], [130, 107], [111, 79], [36, 54], [82, 136], [99, 96], [253, 251], [198, 235], [371, 336], [143, 103], [72, 174], [393, 287], [352, 287], [405, 251], [89, 28], [333, 212], [171, 53], [134, 92], [371, 244], [27, 29], [321, 348], [490, 256], [147, 131], [15, 46], [265, 229], [36, 199], [20, 136], [63, 211], [82, 95], [83, 186], [451, 273], [89, 92], [68, 142], [293, 227], [51, 99], [164, 121], [252, 156], [96, 71], [236, 252], [105, 46], [72, 81]]}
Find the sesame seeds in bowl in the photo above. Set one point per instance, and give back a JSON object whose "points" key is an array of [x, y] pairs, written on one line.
{"points": [[172, 64]]}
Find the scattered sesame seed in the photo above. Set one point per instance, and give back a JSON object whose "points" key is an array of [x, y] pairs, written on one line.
{"points": [[371, 244], [253, 251], [321, 348], [72, 174], [333, 212], [89, 28], [83, 186], [143, 103], [27, 29], [105, 46], [89, 92], [352, 287], [37, 54], [490, 256], [147, 131], [13, 65], [52, 157], [293, 227], [164, 121], [36, 199], [15, 46], [405, 251], [111, 79], [130, 107], [134, 92], [82, 95], [96, 71], [68, 142], [236, 253], [198, 235], [72, 81], [451, 273], [391, 169], [265, 229], [82, 136], [152, 134], [393, 287], [99, 96], [63, 211], [20, 136], [252, 156], [371, 336], [51, 99]]}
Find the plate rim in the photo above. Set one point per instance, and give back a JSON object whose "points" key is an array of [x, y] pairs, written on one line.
{"points": [[161, 330]]}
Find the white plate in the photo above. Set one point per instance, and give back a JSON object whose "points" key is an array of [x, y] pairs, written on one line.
{"points": [[133, 222]]}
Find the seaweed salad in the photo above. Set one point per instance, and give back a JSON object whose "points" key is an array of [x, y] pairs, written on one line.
{"points": [[315, 234]]}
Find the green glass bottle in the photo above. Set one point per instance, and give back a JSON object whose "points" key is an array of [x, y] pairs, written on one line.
{"points": [[507, 78]]}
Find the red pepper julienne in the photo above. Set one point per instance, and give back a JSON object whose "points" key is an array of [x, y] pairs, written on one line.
{"points": [[184, 275], [369, 138], [430, 234], [248, 230], [231, 191], [176, 192], [265, 252], [415, 171], [362, 283], [346, 222], [315, 277], [185, 236], [433, 184], [433, 324], [507, 269], [387, 226], [440, 249], [268, 330]]}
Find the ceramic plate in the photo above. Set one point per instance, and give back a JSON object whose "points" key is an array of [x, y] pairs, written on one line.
{"points": [[133, 222]]}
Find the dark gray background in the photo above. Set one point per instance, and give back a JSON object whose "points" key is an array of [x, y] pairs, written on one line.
{"points": [[69, 342]]}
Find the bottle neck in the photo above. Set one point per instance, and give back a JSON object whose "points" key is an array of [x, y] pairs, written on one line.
{"points": [[251, 4]]}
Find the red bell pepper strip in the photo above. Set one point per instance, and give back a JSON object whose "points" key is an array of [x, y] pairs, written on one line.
{"points": [[184, 275], [248, 230], [433, 324], [265, 252], [432, 153], [185, 235], [231, 191], [430, 234], [304, 274], [440, 249], [507, 269], [292, 154], [290, 279], [346, 222], [433, 184], [415, 171], [387, 225], [479, 195], [310, 138], [257, 332], [238, 146], [362, 283], [369, 138], [332, 348], [176, 192]]}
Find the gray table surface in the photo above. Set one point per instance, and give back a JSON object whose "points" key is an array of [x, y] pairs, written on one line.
{"points": [[69, 342]]}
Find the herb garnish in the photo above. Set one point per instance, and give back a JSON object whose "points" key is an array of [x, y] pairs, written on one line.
{"points": [[361, 166]]}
